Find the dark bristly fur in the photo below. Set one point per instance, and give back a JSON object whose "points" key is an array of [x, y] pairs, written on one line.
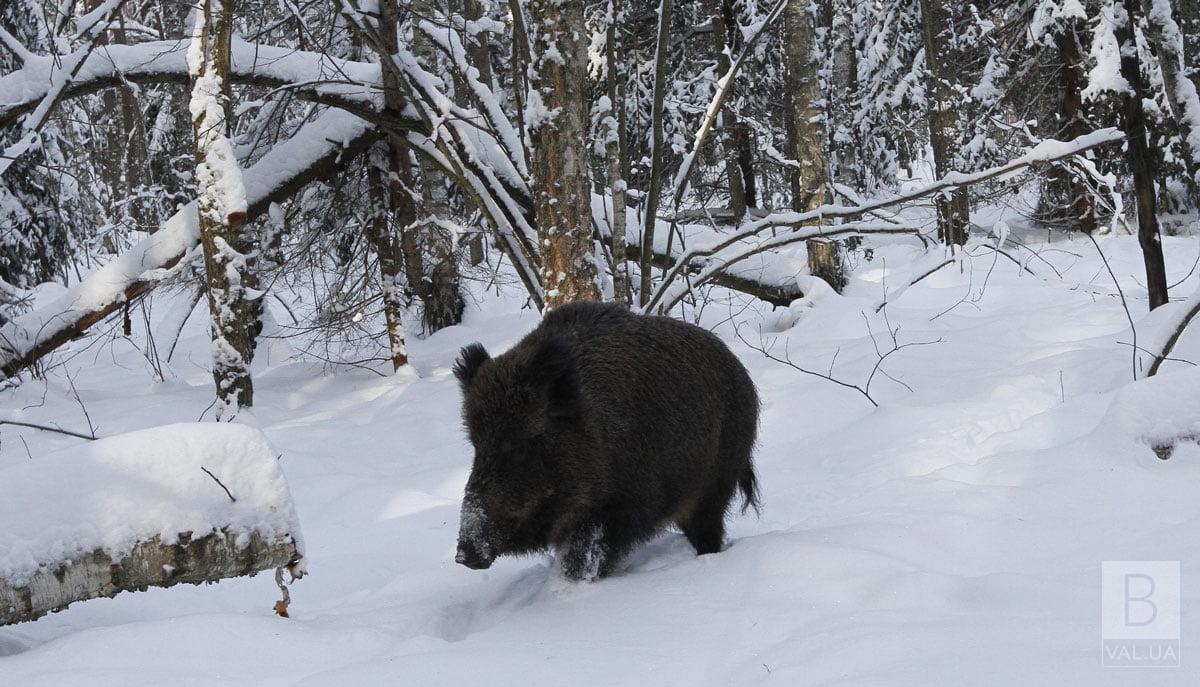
{"points": [[599, 429]]}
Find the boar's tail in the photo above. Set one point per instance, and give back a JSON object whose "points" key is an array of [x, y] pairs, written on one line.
{"points": [[748, 484]]}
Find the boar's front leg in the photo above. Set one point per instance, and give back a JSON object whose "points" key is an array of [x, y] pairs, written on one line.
{"points": [[590, 553]]}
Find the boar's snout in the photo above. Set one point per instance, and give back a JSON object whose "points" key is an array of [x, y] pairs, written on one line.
{"points": [[469, 556], [475, 545]]}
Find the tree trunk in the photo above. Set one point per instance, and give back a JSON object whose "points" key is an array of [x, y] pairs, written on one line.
{"points": [[727, 122], [615, 151], [1063, 190], [479, 56], [1167, 40], [825, 262], [954, 209], [743, 136], [382, 237], [1133, 121], [650, 210], [205, 559], [233, 299], [1189, 25], [805, 122], [558, 122], [429, 248]]}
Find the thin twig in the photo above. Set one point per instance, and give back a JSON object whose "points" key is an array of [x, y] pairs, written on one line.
{"points": [[219, 482], [1124, 303], [75, 393], [58, 430]]}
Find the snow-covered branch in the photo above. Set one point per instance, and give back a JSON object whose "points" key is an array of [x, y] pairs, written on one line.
{"points": [[62, 73], [1166, 326], [668, 293], [316, 151], [348, 85]]}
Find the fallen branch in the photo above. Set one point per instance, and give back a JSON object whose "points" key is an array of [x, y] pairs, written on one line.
{"points": [[718, 263], [64, 70], [912, 282], [666, 295], [315, 152], [345, 84], [779, 294], [1182, 315], [47, 428], [865, 388]]}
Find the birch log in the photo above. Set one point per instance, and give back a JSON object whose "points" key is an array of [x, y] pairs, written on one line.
{"points": [[193, 560], [192, 502]]}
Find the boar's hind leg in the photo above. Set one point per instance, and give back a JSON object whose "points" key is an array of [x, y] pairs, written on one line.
{"points": [[705, 529]]}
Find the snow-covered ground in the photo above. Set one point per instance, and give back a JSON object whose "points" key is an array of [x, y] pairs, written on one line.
{"points": [[951, 536]]}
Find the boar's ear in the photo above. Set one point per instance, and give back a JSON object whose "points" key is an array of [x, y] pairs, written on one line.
{"points": [[553, 368], [469, 361]]}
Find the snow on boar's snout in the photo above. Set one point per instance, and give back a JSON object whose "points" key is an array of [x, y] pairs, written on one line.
{"points": [[596, 431], [475, 547]]}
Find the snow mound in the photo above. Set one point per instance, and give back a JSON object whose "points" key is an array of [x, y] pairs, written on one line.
{"points": [[112, 493]]}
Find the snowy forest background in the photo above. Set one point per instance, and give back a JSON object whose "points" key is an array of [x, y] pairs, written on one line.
{"points": [[374, 187], [954, 244]]}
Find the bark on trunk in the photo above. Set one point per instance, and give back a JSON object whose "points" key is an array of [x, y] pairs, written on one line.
{"points": [[479, 56], [1167, 40], [954, 210], [558, 120], [440, 287], [615, 151], [650, 211], [1133, 121], [1062, 190], [1189, 25], [429, 250], [231, 283], [382, 237], [205, 559], [727, 123], [825, 261], [805, 121]]}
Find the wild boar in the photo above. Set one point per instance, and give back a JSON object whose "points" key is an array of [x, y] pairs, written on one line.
{"points": [[596, 431]]}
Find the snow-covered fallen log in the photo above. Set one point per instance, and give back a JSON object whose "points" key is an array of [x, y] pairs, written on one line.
{"points": [[179, 503], [317, 150]]}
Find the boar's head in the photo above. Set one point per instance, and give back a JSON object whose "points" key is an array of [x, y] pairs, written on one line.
{"points": [[522, 414]]}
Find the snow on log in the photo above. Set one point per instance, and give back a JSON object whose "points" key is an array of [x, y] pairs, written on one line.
{"points": [[179, 503], [317, 150]]}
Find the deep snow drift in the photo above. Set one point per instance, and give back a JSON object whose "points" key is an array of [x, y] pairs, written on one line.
{"points": [[952, 535]]}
